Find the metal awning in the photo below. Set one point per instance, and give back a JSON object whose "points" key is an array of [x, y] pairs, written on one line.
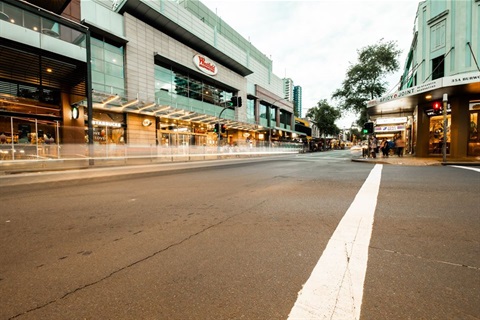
{"points": [[114, 103]]}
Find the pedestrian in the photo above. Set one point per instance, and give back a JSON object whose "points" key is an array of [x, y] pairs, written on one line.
{"points": [[385, 147], [3, 138], [373, 147], [400, 145]]}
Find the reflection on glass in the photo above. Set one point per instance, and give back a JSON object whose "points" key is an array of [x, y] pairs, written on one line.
{"points": [[436, 134], [473, 130]]}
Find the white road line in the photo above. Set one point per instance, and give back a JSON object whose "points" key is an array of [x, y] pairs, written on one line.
{"points": [[467, 168], [335, 287]]}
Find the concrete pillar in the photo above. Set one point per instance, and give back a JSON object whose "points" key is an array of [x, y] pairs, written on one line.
{"points": [[423, 126], [277, 117], [460, 121]]}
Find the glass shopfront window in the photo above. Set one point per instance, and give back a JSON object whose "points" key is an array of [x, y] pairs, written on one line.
{"points": [[473, 136], [108, 128], [28, 138], [436, 134], [181, 134]]}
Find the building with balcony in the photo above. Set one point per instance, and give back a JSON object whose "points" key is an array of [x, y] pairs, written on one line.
{"points": [[441, 72]]}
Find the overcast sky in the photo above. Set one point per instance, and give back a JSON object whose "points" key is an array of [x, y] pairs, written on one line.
{"points": [[313, 42]]}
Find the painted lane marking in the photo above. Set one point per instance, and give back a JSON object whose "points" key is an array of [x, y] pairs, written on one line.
{"points": [[335, 287], [467, 168]]}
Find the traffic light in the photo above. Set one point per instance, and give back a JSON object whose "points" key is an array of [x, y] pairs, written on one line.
{"points": [[223, 128], [236, 101], [437, 107], [368, 128], [215, 128]]}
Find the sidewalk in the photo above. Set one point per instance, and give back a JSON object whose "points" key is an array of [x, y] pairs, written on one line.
{"points": [[410, 160]]}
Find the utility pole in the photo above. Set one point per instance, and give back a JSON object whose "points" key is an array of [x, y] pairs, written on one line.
{"points": [[444, 147]]}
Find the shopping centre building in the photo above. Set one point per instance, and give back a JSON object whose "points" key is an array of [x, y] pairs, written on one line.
{"points": [[442, 68], [136, 72]]}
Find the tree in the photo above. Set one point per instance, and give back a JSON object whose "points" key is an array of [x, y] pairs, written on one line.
{"points": [[365, 79], [324, 117]]}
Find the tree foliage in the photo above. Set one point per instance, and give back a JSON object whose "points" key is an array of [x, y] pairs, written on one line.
{"points": [[365, 80], [324, 116]]}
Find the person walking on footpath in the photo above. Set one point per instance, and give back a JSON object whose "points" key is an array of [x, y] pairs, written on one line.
{"points": [[385, 147], [373, 147], [400, 145]]}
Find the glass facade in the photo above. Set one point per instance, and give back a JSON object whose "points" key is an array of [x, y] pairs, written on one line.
{"points": [[108, 70], [187, 85], [250, 110], [263, 115]]}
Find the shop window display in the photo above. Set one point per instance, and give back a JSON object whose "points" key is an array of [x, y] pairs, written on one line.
{"points": [[436, 134], [473, 136]]}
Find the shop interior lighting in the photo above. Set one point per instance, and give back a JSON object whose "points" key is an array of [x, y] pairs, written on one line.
{"points": [[130, 103]]}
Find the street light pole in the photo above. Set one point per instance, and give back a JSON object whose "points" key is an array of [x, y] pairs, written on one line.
{"points": [[219, 128], [444, 147]]}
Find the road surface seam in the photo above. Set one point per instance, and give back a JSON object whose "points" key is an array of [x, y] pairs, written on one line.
{"points": [[427, 259], [135, 263]]}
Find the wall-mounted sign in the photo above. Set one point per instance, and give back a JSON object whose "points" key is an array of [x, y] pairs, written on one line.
{"points": [[389, 128], [205, 65], [465, 78], [391, 120], [146, 122], [106, 124]]}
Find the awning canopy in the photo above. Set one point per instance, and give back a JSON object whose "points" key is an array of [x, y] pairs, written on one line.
{"points": [[114, 103], [406, 100]]}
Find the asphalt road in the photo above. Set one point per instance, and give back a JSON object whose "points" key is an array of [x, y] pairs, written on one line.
{"points": [[236, 241]]}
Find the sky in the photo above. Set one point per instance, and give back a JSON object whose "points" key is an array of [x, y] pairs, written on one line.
{"points": [[313, 42]]}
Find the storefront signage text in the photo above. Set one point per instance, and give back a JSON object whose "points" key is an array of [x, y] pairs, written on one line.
{"points": [[397, 95], [462, 79], [389, 128], [205, 65], [106, 124], [391, 120]]}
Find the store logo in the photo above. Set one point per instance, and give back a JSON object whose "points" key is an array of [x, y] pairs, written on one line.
{"points": [[205, 65], [146, 123]]}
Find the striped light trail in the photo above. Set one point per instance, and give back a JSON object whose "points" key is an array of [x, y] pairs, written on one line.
{"points": [[335, 288]]}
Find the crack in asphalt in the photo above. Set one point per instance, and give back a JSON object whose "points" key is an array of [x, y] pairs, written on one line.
{"points": [[427, 259], [136, 262]]}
